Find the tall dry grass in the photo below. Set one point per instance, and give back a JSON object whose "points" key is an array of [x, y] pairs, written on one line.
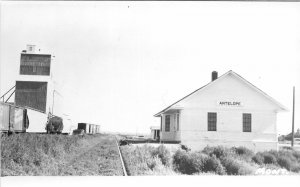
{"points": [[147, 160], [52, 155]]}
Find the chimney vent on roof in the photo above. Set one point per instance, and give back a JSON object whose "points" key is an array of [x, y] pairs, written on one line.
{"points": [[214, 75], [30, 48]]}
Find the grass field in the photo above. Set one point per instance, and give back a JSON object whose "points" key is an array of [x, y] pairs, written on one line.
{"points": [[95, 155], [59, 155]]}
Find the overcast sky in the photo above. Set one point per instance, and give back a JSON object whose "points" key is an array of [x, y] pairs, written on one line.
{"points": [[119, 63]]}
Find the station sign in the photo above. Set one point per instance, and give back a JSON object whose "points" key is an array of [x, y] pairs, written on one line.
{"points": [[229, 103]]}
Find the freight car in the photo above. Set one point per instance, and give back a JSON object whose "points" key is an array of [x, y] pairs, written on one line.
{"points": [[13, 119], [88, 128]]}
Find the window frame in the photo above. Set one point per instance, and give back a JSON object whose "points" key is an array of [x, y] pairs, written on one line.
{"points": [[169, 124], [161, 123], [212, 121], [247, 122], [177, 119]]}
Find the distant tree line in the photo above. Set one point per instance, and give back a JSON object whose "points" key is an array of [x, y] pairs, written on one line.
{"points": [[289, 136]]}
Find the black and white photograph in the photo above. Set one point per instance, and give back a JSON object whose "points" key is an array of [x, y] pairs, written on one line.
{"points": [[199, 89]]}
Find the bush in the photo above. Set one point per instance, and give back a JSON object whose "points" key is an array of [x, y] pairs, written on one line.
{"points": [[269, 158], [284, 162], [218, 151], [163, 154], [212, 164], [234, 166], [183, 163], [295, 168], [258, 159], [296, 154], [243, 151], [196, 162], [285, 158], [288, 159]]}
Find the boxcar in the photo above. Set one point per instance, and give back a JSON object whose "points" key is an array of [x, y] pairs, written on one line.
{"points": [[89, 128], [13, 118]]}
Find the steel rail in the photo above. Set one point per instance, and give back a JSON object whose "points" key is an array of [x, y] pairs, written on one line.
{"points": [[121, 158]]}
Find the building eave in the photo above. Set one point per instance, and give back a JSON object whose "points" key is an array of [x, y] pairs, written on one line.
{"points": [[279, 105]]}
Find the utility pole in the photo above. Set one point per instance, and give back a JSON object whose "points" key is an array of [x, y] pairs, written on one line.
{"points": [[293, 118], [53, 102], [52, 80]]}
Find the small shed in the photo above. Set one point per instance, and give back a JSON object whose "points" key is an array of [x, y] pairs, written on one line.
{"points": [[155, 132]]}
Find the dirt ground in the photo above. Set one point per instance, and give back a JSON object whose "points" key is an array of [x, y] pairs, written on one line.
{"points": [[100, 159]]}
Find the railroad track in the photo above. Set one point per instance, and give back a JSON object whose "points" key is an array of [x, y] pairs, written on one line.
{"points": [[121, 158]]}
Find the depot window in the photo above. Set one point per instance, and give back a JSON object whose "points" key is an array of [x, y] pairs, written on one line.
{"points": [[177, 121], [247, 122], [212, 121], [167, 123]]}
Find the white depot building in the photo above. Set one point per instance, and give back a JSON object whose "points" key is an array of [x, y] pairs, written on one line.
{"points": [[229, 111]]}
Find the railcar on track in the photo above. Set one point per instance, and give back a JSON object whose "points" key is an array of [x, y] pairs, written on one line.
{"points": [[13, 118], [89, 128]]}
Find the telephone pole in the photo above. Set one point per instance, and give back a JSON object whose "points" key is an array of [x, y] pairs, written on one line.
{"points": [[293, 117]]}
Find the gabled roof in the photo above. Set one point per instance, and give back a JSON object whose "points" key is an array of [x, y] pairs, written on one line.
{"points": [[218, 79]]}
